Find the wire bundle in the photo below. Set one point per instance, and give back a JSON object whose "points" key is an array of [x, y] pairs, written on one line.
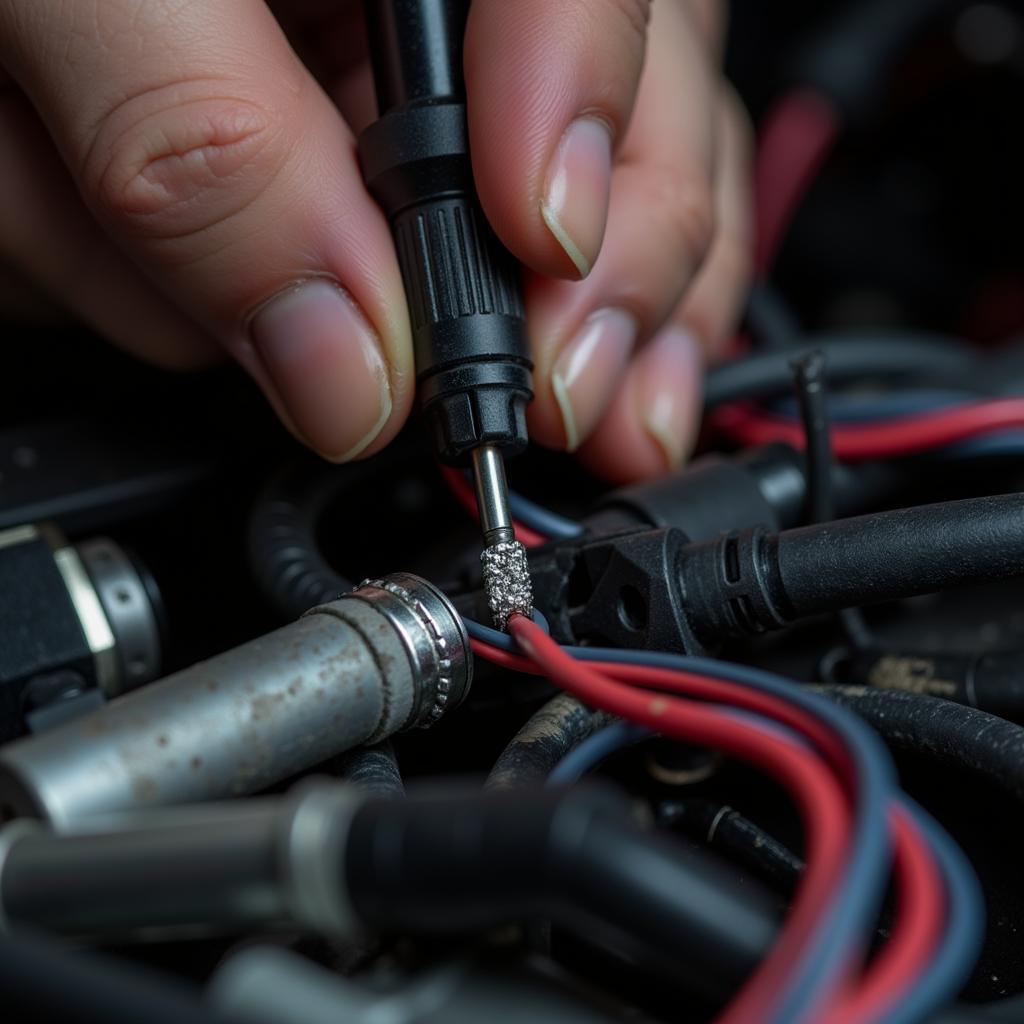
{"points": [[888, 437], [857, 825]]}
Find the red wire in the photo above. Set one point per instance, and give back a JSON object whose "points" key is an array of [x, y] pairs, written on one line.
{"points": [[920, 913], [823, 806], [797, 136], [918, 881], [463, 492], [889, 438]]}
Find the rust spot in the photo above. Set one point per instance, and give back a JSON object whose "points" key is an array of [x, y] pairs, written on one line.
{"points": [[263, 705], [211, 685], [295, 686], [196, 763], [162, 741], [320, 693], [359, 691]]}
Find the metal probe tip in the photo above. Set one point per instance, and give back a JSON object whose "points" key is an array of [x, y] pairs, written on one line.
{"points": [[506, 573]]}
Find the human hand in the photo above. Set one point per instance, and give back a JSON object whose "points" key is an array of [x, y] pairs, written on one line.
{"points": [[185, 180]]}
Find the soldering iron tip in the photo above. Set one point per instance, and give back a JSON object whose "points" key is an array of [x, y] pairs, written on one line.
{"points": [[507, 581]]}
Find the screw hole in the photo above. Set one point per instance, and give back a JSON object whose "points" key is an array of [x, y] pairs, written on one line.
{"points": [[632, 609]]}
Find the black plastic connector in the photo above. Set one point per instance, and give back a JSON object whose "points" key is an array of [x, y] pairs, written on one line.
{"points": [[462, 285], [747, 582]]}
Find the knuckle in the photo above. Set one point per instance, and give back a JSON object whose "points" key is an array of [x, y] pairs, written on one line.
{"points": [[168, 164], [683, 204]]}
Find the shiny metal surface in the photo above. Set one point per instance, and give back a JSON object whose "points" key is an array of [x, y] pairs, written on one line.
{"points": [[95, 625], [173, 871], [348, 673], [492, 496], [128, 609], [441, 651]]}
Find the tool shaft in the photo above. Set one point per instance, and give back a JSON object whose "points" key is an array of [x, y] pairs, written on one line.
{"points": [[492, 496]]}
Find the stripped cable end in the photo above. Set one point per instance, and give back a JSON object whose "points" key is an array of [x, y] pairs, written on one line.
{"points": [[507, 581]]}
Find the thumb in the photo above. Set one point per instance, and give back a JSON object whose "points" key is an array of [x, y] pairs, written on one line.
{"points": [[550, 89], [211, 156]]}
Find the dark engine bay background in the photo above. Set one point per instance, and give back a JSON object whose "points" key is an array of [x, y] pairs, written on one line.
{"points": [[913, 225]]}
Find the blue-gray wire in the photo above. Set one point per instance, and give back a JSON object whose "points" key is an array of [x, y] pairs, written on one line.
{"points": [[596, 748], [962, 940], [964, 929], [852, 911]]}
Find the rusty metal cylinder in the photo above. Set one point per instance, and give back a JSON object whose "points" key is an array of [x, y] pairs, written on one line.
{"points": [[391, 655]]}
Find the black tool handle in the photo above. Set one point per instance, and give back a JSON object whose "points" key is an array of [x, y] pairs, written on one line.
{"points": [[462, 285]]}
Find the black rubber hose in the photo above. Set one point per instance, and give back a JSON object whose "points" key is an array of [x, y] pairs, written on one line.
{"points": [[41, 982], [461, 863], [897, 554], [852, 356], [963, 738], [744, 583], [373, 769], [284, 556], [553, 731]]}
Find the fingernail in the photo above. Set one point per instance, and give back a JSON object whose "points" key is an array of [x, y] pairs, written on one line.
{"points": [[326, 362], [575, 204], [588, 369], [670, 392]]}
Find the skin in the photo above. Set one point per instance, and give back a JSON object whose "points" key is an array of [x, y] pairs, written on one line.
{"points": [[173, 168]]}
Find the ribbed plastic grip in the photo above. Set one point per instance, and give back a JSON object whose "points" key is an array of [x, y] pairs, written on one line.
{"points": [[462, 285], [452, 265]]}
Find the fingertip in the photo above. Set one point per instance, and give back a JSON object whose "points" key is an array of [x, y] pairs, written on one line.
{"points": [[550, 88], [326, 364], [577, 189], [651, 425], [583, 378]]}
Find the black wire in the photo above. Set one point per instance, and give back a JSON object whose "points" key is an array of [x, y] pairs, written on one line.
{"points": [[721, 827], [812, 392], [851, 356]]}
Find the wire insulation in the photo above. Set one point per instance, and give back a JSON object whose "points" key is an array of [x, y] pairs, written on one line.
{"points": [[912, 948], [886, 439]]}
